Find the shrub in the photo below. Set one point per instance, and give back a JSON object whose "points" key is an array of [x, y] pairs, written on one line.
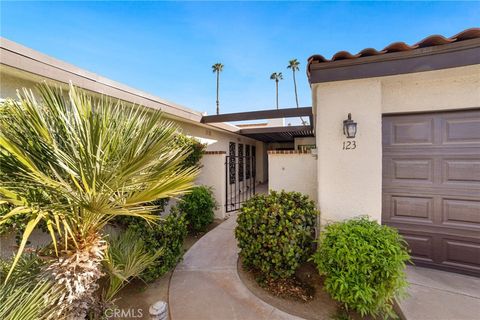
{"points": [[363, 263], [197, 149], [198, 206], [167, 236], [275, 232]]}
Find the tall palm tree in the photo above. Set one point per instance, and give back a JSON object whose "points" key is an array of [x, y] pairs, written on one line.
{"points": [[73, 163], [293, 64], [277, 76], [217, 68]]}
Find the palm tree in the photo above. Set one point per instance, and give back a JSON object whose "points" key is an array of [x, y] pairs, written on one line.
{"points": [[217, 68], [277, 76], [293, 64], [73, 163]]}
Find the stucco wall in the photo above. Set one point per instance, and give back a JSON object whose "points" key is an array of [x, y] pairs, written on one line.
{"points": [[293, 172], [350, 181], [212, 176]]}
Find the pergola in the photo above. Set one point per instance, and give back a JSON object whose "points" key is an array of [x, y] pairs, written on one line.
{"points": [[269, 134]]}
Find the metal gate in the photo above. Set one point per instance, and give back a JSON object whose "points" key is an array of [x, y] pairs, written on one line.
{"points": [[240, 179]]}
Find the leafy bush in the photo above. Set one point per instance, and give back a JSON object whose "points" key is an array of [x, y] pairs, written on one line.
{"points": [[363, 263], [166, 236], [198, 206], [275, 232], [197, 149]]}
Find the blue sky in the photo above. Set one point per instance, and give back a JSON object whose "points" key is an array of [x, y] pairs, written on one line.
{"points": [[167, 48]]}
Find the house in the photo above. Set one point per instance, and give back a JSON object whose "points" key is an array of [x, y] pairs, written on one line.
{"points": [[244, 149], [414, 162]]}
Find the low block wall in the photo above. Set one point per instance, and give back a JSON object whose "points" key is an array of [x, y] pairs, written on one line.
{"points": [[292, 170], [212, 174]]}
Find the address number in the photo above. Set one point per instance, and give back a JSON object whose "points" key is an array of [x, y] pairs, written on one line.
{"points": [[349, 145]]}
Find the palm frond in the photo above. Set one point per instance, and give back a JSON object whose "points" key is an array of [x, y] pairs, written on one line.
{"points": [[126, 258], [77, 161]]}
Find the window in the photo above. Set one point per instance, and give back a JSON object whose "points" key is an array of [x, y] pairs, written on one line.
{"points": [[231, 163], [240, 162]]}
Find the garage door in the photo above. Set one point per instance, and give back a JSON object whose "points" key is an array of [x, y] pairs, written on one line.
{"points": [[431, 187]]}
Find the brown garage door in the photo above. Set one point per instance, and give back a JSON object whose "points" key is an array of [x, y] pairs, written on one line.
{"points": [[431, 186]]}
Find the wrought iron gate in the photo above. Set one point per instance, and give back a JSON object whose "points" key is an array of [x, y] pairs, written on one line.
{"points": [[240, 178]]}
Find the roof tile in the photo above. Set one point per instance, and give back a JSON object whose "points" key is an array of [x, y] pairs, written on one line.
{"points": [[430, 41]]}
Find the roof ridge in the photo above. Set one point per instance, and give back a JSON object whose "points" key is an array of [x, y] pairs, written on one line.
{"points": [[399, 46]]}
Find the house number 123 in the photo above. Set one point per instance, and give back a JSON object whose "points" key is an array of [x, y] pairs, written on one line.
{"points": [[349, 145]]}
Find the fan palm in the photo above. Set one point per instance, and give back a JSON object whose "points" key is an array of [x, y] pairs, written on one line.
{"points": [[217, 68], [74, 162], [277, 76], [293, 64]]}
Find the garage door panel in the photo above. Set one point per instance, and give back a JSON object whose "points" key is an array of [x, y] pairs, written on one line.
{"points": [[461, 170], [431, 186], [420, 245], [461, 213], [412, 208], [461, 130], [413, 169], [461, 253], [409, 132]]}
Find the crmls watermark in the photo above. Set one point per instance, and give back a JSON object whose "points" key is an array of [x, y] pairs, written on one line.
{"points": [[130, 313]]}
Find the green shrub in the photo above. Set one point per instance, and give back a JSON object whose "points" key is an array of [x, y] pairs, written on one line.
{"points": [[168, 236], [275, 232], [363, 263], [198, 206], [197, 149]]}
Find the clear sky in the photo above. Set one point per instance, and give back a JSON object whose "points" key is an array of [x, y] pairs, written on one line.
{"points": [[167, 48]]}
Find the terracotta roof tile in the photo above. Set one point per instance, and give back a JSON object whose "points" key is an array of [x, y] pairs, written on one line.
{"points": [[430, 41]]}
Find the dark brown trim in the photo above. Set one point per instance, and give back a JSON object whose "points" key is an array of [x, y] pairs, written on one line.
{"points": [[261, 114], [289, 151], [405, 113], [452, 55], [287, 129], [214, 152]]}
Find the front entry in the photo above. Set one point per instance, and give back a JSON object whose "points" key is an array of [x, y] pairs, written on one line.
{"points": [[431, 186], [240, 173]]}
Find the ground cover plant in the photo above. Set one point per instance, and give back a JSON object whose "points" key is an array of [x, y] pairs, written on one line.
{"points": [[275, 233], [363, 263], [73, 162]]}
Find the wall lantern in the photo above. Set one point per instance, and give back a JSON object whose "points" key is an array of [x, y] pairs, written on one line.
{"points": [[349, 127]]}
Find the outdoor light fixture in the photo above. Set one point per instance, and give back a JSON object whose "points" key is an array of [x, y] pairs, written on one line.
{"points": [[349, 127]]}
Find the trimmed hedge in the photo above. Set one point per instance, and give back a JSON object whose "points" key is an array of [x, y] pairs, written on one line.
{"points": [[363, 263], [275, 232]]}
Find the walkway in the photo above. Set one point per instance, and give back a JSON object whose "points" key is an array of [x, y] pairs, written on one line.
{"points": [[206, 286], [440, 295]]}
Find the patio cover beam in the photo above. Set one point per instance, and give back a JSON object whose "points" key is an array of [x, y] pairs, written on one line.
{"points": [[266, 130], [261, 114]]}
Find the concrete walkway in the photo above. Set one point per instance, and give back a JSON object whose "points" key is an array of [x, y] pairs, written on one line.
{"points": [[206, 284], [440, 295]]}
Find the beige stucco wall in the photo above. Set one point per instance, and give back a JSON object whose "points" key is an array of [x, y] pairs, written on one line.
{"points": [[350, 181], [293, 172], [212, 176]]}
